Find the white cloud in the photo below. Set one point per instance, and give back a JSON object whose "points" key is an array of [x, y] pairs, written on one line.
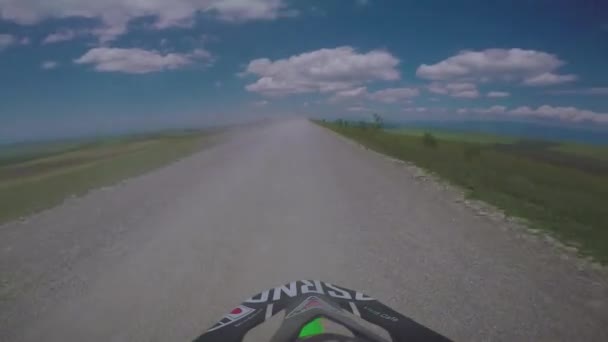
{"points": [[116, 14], [549, 79], [6, 40], [491, 110], [359, 92], [394, 95], [571, 114], [528, 66], [260, 103], [498, 94], [324, 71], [438, 88], [359, 109], [467, 94], [64, 36], [463, 90], [582, 91], [48, 65], [420, 109], [239, 10], [562, 113], [389, 95], [139, 61]]}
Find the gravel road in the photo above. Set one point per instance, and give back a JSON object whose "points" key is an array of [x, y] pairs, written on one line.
{"points": [[160, 257]]}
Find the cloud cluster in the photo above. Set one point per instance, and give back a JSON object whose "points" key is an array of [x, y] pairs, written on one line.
{"points": [[139, 61], [322, 71], [116, 14], [463, 90], [571, 114], [530, 67]]}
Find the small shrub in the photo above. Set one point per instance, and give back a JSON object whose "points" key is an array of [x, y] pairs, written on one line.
{"points": [[429, 140]]}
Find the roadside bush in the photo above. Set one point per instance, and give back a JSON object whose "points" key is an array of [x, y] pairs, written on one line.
{"points": [[378, 121], [429, 140]]}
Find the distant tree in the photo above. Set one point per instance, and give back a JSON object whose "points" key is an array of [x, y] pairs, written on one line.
{"points": [[429, 140], [378, 121], [362, 124]]}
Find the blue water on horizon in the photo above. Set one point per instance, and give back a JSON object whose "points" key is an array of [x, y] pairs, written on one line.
{"points": [[526, 130]]}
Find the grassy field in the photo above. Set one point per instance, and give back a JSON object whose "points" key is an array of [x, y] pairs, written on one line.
{"points": [[553, 190], [43, 176]]}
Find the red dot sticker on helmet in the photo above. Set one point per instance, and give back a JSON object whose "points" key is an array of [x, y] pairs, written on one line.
{"points": [[239, 312]]}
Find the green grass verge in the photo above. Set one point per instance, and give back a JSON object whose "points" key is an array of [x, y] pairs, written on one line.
{"points": [[568, 202], [30, 185], [591, 151], [577, 149], [458, 136]]}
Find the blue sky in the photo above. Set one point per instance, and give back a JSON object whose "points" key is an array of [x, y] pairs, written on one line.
{"points": [[83, 66]]}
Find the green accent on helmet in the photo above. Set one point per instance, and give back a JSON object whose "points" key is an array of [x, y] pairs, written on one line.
{"points": [[312, 328]]}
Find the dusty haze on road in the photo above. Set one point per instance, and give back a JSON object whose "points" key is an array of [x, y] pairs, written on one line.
{"points": [[162, 256]]}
